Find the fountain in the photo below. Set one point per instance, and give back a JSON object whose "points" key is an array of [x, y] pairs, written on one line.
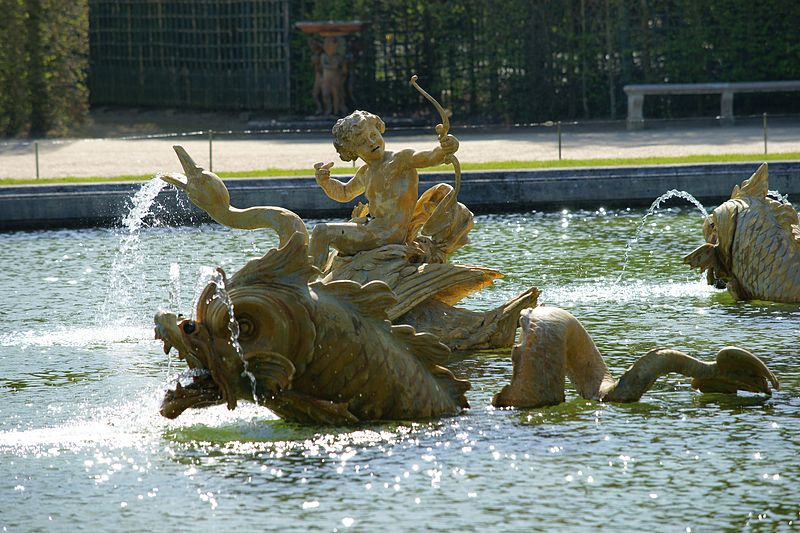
{"points": [[82, 443], [672, 193], [364, 332]]}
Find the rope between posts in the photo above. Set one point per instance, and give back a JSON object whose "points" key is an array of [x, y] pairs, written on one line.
{"points": [[394, 129], [558, 125]]}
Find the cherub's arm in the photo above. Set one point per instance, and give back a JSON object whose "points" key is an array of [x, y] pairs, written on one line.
{"points": [[335, 189], [431, 158]]}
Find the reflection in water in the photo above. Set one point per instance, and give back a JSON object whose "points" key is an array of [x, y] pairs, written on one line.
{"points": [[82, 442], [50, 378]]}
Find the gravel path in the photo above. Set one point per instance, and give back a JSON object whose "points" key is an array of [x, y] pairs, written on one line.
{"points": [[114, 157]]}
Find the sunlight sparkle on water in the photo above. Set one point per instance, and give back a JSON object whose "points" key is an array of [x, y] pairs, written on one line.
{"points": [[72, 336], [625, 292], [97, 437]]}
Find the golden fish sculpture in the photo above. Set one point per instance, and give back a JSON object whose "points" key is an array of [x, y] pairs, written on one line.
{"points": [[554, 345], [752, 245]]}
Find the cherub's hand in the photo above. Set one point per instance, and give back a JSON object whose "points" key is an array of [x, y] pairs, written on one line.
{"points": [[323, 172], [205, 189], [449, 145]]}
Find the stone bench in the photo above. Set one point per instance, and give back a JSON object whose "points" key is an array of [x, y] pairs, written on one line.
{"points": [[636, 94]]}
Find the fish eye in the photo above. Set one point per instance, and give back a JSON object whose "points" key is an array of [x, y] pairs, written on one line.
{"points": [[246, 327], [189, 328]]}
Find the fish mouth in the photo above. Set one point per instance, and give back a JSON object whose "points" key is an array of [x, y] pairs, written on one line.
{"points": [[170, 329], [714, 281], [202, 391], [208, 386]]}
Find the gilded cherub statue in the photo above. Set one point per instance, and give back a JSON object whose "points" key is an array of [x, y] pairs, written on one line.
{"points": [[389, 180], [399, 238]]}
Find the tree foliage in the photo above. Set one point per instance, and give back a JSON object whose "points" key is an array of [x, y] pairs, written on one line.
{"points": [[526, 60], [494, 60], [43, 65]]}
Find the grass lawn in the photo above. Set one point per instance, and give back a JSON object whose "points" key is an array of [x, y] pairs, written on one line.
{"points": [[492, 165]]}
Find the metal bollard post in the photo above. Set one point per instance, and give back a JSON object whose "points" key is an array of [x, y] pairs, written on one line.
{"points": [[36, 156], [765, 134], [559, 139], [210, 150]]}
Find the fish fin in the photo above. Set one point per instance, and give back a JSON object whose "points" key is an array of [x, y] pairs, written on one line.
{"points": [[703, 257], [302, 408], [733, 359], [289, 261], [737, 369], [272, 371], [456, 388], [433, 354], [756, 185], [426, 346], [447, 282], [785, 215], [372, 299]]}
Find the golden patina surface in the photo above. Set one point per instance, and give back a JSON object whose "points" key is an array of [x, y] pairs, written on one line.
{"points": [[356, 321], [337, 344], [752, 244], [554, 345], [317, 352]]}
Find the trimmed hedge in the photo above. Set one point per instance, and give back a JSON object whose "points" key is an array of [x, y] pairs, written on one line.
{"points": [[43, 62]]}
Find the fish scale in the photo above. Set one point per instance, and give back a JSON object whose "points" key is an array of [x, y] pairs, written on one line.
{"points": [[765, 254]]}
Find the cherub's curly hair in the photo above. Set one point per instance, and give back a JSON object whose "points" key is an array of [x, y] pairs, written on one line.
{"points": [[348, 127]]}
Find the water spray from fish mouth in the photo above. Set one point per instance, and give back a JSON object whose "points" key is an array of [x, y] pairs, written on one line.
{"points": [[124, 278], [672, 193], [782, 198]]}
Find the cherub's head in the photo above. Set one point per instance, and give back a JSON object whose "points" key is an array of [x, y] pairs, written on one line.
{"points": [[355, 135]]}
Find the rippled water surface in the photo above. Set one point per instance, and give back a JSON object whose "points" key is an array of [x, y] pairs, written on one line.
{"points": [[82, 446]]}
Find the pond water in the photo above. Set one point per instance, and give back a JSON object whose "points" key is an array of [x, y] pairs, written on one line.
{"points": [[82, 446]]}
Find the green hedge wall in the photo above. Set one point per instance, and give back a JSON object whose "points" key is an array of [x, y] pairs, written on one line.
{"points": [[493, 60], [535, 60], [43, 63]]}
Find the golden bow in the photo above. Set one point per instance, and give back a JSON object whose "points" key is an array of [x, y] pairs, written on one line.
{"points": [[442, 130]]}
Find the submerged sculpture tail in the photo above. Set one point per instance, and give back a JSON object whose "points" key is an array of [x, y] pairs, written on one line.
{"points": [[733, 369], [555, 345]]}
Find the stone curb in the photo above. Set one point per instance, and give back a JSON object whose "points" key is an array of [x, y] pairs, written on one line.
{"points": [[104, 204]]}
